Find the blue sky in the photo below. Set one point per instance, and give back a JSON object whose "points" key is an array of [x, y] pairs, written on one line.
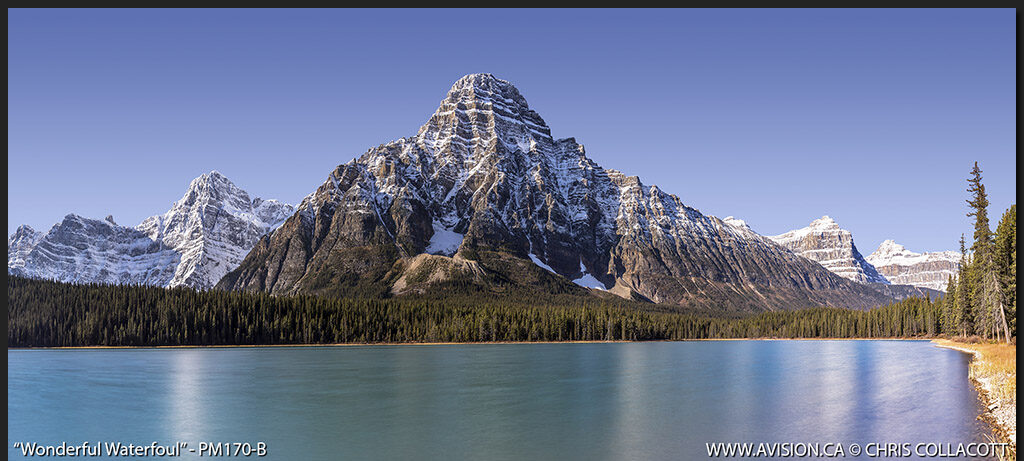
{"points": [[774, 116]]}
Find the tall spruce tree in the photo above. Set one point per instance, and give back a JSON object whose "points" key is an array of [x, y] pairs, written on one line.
{"points": [[963, 315], [1005, 260], [948, 312], [979, 211], [986, 293]]}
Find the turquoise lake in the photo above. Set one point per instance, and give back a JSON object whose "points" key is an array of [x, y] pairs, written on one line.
{"points": [[658, 400]]}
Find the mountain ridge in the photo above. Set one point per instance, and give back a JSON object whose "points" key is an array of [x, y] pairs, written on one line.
{"points": [[485, 169], [927, 270], [824, 242], [205, 233]]}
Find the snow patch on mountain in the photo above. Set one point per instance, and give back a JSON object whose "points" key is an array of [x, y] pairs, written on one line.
{"points": [[540, 263], [588, 280], [445, 241]]}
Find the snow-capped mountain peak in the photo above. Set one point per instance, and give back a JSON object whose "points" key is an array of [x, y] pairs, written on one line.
{"points": [[890, 253], [735, 222], [485, 173], [891, 249], [204, 235], [19, 244], [213, 226], [479, 112], [824, 242], [926, 270], [824, 222]]}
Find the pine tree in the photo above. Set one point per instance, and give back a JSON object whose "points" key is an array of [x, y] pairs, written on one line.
{"points": [[948, 312], [964, 315], [979, 210], [1005, 258], [986, 292]]}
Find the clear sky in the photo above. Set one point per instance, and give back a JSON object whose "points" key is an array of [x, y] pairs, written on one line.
{"points": [[777, 117]]}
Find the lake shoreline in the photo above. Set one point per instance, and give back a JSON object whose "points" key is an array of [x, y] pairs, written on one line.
{"points": [[442, 343], [1000, 412]]}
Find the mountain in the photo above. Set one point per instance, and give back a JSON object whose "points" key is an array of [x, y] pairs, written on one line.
{"points": [[484, 196], [196, 242], [824, 242], [926, 270], [98, 251], [19, 244], [213, 227]]}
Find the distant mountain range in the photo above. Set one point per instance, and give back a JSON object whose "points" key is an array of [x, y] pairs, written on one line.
{"points": [[831, 246], [926, 270], [196, 242], [482, 197], [824, 242]]}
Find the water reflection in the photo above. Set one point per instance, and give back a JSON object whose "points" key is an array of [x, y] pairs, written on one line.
{"points": [[520, 401], [187, 416], [832, 384]]}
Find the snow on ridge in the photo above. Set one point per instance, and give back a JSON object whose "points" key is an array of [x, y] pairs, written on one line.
{"points": [[483, 138], [824, 242], [203, 236], [20, 244], [891, 253], [926, 270], [540, 263]]}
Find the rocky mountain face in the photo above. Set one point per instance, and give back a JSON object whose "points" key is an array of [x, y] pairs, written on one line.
{"points": [[925, 270], [196, 242], [824, 242], [493, 199], [213, 227], [98, 251], [19, 244]]}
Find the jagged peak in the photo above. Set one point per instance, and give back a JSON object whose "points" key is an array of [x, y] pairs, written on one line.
{"points": [[824, 221], [484, 89], [212, 186], [736, 222], [824, 224], [24, 234], [74, 218], [213, 178], [482, 81], [890, 252], [479, 111], [25, 229], [889, 247]]}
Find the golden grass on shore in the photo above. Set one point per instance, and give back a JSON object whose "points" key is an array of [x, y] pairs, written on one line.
{"points": [[995, 362], [994, 372]]}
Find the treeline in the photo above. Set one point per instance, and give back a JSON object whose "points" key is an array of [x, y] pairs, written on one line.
{"points": [[981, 300], [52, 314], [982, 297]]}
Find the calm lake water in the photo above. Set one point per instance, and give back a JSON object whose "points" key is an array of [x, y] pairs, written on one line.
{"points": [[661, 400]]}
